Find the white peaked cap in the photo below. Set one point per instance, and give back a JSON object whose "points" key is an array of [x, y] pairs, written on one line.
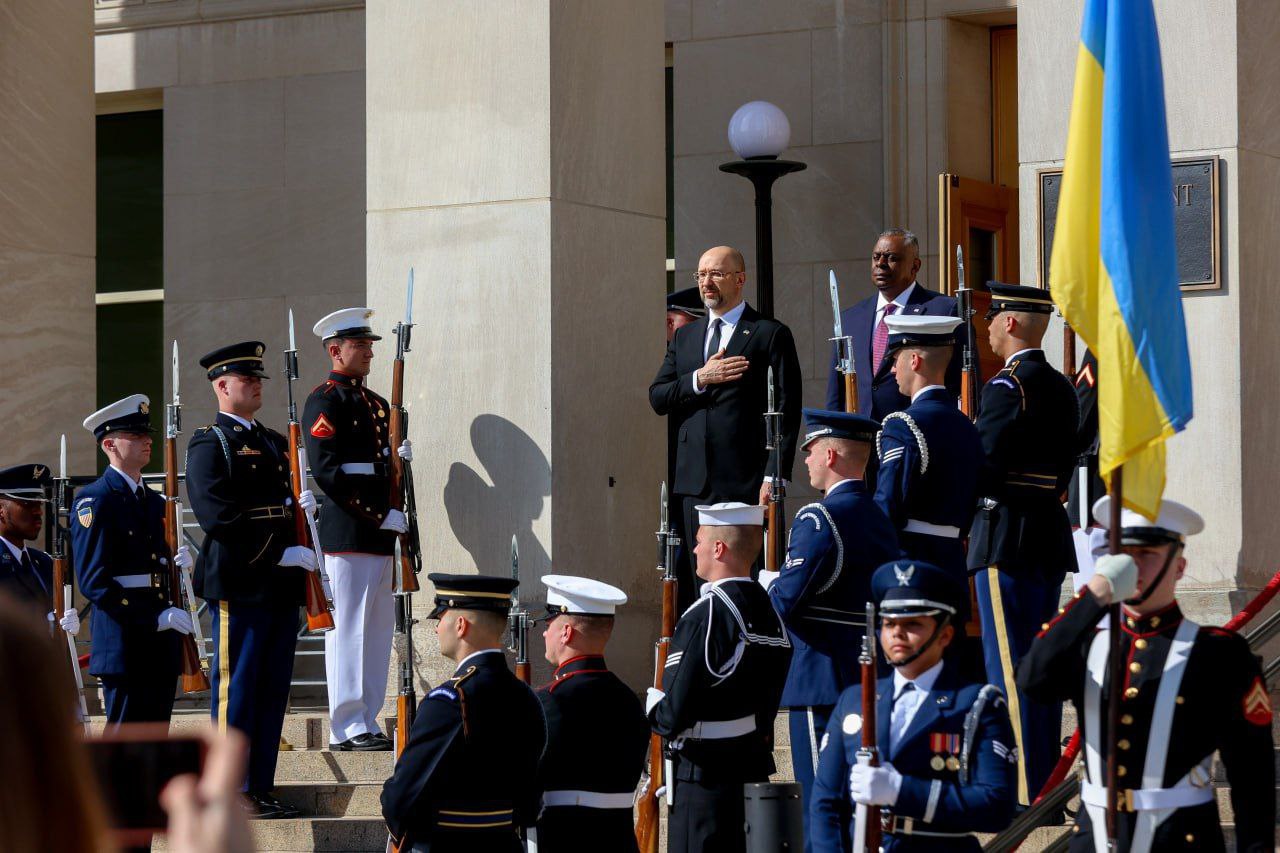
{"points": [[347, 323], [135, 407], [921, 324], [731, 514], [1176, 520], [569, 594]]}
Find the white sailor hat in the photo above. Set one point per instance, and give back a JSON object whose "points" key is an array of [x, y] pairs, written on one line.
{"points": [[130, 415], [569, 594], [731, 514], [1175, 523], [922, 330], [347, 323]]}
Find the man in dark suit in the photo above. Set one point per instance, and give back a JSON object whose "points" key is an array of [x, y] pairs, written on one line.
{"points": [[713, 384], [895, 261]]}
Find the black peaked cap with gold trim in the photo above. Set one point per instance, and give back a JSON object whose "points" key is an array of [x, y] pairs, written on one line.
{"points": [[244, 358], [471, 592], [1019, 297]]}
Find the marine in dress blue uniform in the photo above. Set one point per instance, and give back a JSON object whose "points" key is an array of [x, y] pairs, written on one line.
{"points": [[597, 734], [822, 590], [467, 780], [119, 550], [930, 453], [251, 565], [1020, 546], [25, 573], [946, 748], [721, 686]]}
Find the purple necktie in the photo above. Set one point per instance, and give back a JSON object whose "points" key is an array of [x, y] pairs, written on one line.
{"points": [[880, 340]]}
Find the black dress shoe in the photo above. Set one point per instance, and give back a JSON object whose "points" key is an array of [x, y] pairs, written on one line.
{"points": [[258, 807], [287, 812], [362, 743]]}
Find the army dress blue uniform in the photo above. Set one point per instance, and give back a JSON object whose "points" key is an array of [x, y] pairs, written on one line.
{"points": [[821, 593], [955, 754], [1020, 545]]}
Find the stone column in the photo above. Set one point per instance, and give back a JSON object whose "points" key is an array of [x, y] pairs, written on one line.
{"points": [[47, 240], [515, 161]]}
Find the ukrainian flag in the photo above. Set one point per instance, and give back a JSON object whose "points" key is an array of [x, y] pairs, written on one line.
{"points": [[1113, 271]]}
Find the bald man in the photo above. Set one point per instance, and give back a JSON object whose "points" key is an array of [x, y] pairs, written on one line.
{"points": [[713, 386]]}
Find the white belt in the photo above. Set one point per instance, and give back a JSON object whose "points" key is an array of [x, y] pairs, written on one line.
{"points": [[915, 525], [358, 468], [133, 581], [719, 729], [1147, 799], [589, 799]]}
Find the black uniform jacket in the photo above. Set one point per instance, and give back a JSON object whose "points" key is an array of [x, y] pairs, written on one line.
{"points": [[32, 586], [720, 444], [345, 423], [468, 777], [597, 738], [1222, 705], [729, 659], [1027, 420], [238, 485]]}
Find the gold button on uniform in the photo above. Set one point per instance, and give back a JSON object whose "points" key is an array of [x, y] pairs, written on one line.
{"points": [[1122, 744], [124, 601], [1190, 838], [1044, 626], [1126, 719], [1120, 771], [1131, 692], [1155, 621], [1139, 644], [1180, 700], [1135, 667]]}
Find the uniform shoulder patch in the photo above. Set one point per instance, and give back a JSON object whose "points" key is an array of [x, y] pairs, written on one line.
{"points": [[1005, 381], [84, 515], [1257, 703], [323, 427], [443, 693], [1086, 377]]}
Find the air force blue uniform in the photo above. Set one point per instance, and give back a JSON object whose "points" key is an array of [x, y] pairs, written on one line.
{"points": [[31, 584]]}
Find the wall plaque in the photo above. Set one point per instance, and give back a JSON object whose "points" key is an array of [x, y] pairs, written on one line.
{"points": [[1195, 221]]}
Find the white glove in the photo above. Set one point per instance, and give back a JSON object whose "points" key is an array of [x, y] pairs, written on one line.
{"points": [[307, 500], [1121, 572], [405, 450], [174, 619], [395, 521], [767, 578], [183, 558], [70, 621], [874, 786], [653, 697], [300, 556]]}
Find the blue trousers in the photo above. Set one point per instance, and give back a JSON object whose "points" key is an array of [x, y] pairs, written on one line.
{"points": [[807, 726], [253, 647], [138, 699], [1012, 611]]}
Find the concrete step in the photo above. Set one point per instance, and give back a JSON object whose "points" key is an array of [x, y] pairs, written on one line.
{"points": [[342, 799], [354, 835], [302, 730], [324, 767]]}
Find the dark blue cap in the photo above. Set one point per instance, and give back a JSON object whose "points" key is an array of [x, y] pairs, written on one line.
{"points": [[244, 358], [28, 482], [471, 592], [914, 588], [1019, 297], [687, 301], [819, 423]]}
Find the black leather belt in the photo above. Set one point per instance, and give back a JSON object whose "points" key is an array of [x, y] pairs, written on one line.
{"points": [[265, 513]]}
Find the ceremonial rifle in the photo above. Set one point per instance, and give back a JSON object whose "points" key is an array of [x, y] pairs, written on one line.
{"points": [[61, 592], [319, 606], [866, 827], [968, 366], [409, 557], [775, 546], [406, 699], [518, 619], [195, 661], [647, 806], [844, 350]]}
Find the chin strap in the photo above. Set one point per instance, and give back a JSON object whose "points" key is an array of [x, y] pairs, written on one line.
{"points": [[941, 620], [1155, 584]]}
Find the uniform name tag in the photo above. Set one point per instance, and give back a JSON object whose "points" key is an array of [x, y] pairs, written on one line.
{"points": [[445, 692]]}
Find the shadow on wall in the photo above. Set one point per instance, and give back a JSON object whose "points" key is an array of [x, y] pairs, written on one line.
{"points": [[483, 517]]}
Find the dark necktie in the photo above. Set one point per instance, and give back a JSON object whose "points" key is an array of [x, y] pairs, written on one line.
{"points": [[714, 346], [29, 569], [141, 493]]}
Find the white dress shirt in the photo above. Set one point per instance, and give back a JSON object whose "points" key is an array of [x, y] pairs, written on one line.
{"points": [[238, 419], [135, 484], [906, 702], [728, 322], [881, 303]]}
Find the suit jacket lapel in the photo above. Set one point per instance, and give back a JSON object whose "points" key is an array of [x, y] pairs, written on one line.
{"points": [[941, 699], [884, 710], [693, 341], [742, 332]]}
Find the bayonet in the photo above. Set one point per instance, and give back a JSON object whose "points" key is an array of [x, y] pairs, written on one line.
{"points": [[960, 266], [844, 347], [173, 411], [519, 619]]}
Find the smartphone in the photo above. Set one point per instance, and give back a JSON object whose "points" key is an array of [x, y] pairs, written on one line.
{"points": [[133, 763]]}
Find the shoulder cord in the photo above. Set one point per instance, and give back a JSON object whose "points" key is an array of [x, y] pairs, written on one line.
{"points": [[915, 431], [971, 721]]}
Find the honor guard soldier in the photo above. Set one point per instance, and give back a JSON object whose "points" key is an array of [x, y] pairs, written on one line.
{"points": [[467, 779], [1188, 691], [251, 566], [946, 766], [117, 540], [930, 454], [721, 686], [27, 573], [835, 546], [1020, 546], [348, 440], [597, 734]]}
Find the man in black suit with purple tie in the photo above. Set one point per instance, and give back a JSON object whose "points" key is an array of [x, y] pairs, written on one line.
{"points": [[895, 261]]}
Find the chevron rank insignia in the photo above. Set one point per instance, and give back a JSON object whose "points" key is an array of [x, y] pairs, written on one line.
{"points": [[1257, 704], [323, 428]]}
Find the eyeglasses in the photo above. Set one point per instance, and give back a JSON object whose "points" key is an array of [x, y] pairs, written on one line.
{"points": [[715, 275]]}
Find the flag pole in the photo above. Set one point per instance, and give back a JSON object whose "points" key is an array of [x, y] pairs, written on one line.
{"points": [[1115, 666]]}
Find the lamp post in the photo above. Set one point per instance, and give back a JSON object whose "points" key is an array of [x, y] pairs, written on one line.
{"points": [[758, 133]]}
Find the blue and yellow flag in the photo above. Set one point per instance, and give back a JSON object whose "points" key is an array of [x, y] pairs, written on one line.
{"points": [[1114, 270]]}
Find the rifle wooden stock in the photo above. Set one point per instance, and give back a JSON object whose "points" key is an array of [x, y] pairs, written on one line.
{"points": [[1068, 352], [318, 616], [869, 743], [522, 672], [851, 392], [408, 579], [776, 543], [647, 808], [194, 678]]}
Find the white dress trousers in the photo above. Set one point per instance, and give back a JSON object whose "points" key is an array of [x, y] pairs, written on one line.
{"points": [[357, 652]]}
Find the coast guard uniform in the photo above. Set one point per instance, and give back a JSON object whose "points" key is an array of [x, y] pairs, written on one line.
{"points": [[26, 573], [597, 737], [822, 592], [930, 455], [1020, 546], [1189, 691], [946, 741], [117, 540], [720, 692], [250, 571], [348, 445], [467, 779]]}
